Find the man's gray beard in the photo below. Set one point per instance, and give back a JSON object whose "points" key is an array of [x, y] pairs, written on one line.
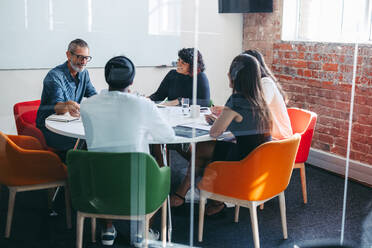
{"points": [[75, 68]]}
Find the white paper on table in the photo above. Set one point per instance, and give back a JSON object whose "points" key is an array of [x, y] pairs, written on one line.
{"points": [[62, 118]]}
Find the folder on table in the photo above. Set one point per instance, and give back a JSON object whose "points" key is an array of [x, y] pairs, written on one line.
{"points": [[186, 131]]}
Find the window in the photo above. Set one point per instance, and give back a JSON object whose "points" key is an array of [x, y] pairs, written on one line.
{"points": [[164, 17], [331, 20]]}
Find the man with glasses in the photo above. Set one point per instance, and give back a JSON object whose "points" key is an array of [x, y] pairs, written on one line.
{"points": [[63, 89]]}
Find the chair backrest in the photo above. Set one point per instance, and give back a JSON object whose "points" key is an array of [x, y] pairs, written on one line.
{"points": [[5, 165], [23, 162], [116, 183], [303, 122], [25, 118], [264, 173]]}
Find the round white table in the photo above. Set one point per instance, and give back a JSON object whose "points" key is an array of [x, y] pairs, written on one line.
{"points": [[173, 115]]}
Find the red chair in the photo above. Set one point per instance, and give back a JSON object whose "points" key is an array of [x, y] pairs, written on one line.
{"points": [[25, 118], [302, 122]]}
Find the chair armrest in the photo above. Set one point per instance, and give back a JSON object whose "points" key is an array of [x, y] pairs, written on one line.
{"points": [[26, 142]]}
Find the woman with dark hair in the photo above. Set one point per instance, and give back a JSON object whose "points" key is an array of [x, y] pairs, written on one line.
{"points": [[275, 98], [178, 83], [245, 115]]}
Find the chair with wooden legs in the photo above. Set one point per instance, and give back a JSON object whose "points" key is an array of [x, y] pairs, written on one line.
{"points": [[128, 186], [302, 122], [25, 166], [262, 175]]}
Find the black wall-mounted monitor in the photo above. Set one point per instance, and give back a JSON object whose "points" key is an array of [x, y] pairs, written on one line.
{"points": [[245, 6]]}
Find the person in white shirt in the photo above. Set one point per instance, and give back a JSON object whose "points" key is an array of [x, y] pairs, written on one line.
{"points": [[117, 121], [275, 97]]}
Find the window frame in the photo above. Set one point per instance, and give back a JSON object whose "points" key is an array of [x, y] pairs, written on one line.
{"points": [[293, 32]]}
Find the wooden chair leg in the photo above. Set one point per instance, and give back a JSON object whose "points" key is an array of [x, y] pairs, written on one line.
{"points": [[146, 230], [79, 230], [68, 207], [164, 223], [237, 208], [93, 227], [12, 194], [303, 182], [201, 216], [283, 214], [254, 223]]}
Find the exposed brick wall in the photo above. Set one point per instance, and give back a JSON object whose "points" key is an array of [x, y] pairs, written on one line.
{"points": [[318, 77]]}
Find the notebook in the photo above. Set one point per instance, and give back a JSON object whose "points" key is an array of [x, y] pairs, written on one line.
{"points": [[62, 118], [186, 132]]}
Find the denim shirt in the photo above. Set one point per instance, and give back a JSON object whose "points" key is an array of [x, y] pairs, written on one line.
{"points": [[60, 86]]}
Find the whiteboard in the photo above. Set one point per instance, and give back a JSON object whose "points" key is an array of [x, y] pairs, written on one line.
{"points": [[36, 33]]}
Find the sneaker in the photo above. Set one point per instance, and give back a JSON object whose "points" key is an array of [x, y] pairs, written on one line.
{"points": [[108, 236], [153, 236]]}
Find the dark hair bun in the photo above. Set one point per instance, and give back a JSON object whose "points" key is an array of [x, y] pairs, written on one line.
{"points": [[119, 72]]}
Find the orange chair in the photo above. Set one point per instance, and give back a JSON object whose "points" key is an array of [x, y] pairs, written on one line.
{"points": [[25, 118], [25, 166], [302, 122], [262, 175]]}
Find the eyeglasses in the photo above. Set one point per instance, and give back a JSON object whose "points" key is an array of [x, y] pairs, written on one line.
{"points": [[81, 57]]}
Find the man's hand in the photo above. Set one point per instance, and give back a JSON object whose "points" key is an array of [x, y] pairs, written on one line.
{"points": [[73, 108], [70, 106]]}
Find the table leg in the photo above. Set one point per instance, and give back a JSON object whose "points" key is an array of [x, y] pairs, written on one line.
{"points": [[165, 160], [53, 213]]}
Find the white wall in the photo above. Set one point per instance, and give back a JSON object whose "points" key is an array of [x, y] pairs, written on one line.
{"points": [[220, 39]]}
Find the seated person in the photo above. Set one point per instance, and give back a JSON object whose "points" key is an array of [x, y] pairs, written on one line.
{"points": [[275, 98], [117, 121], [63, 89], [177, 84], [245, 114]]}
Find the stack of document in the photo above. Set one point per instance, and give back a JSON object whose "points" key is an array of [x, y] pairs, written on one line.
{"points": [[186, 131], [62, 118]]}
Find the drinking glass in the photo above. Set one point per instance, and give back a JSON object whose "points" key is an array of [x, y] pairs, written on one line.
{"points": [[185, 106]]}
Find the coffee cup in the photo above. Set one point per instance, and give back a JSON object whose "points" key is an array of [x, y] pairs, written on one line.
{"points": [[195, 111]]}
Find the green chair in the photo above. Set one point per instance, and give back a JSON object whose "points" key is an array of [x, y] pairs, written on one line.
{"points": [[127, 186]]}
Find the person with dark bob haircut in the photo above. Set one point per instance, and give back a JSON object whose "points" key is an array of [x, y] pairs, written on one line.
{"points": [[117, 121], [245, 114], [178, 83]]}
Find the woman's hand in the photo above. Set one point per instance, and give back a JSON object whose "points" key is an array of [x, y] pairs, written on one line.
{"points": [[210, 118], [223, 121], [216, 110], [171, 103]]}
